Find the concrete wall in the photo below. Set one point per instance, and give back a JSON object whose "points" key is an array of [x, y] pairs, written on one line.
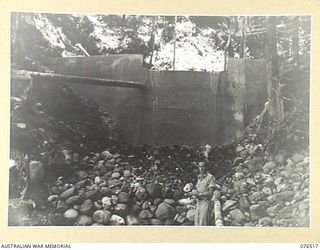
{"points": [[180, 108], [248, 78], [177, 107], [123, 104]]}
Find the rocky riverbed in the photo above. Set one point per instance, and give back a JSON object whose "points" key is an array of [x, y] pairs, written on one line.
{"points": [[110, 188]]}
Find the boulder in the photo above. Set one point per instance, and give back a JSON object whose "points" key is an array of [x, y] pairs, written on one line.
{"points": [[112, 161], [82, 175], [87, 207], [286, 173], [290, 163], [167, 193], [257, 211], [145, 214], [144, 222], [105, 191], [114, 199], [267, 191], [106, 155], [280, 157], [239, 175], [92, 194], [126, 173], [268, 182], [282, 187], [140, 194], [84, 220], [274, 210], [97, 225], [132, 220], [238, 160], [153, 190], [156, 222], [157, 201], [237, 215], [250, 181], [74, 200], [269, 166], [135, 209], [80, 184], [264, 203], [169, 222], [229, 205], [238, 168], [53, 198], [186, 201], [115, 175], [101, 216], [61, 206], [265, 222], [278, 180], [256, 196], [106, 202], [297, 158], [281, 197], [71, 215], [97, 180], [239, 148], [55, 190], [123, 197], [303, 206], [178, 194], [165, 211], [145, 205], [116, 220], [244, 153], [243, 203], [296, 177], [239, 186], [254, 165], [169, 201], [77, 207], [113, 183], [153, 208], [300, 166], [68, 193], [120, 209], [126, 187], [298, 196], [97, 205]]}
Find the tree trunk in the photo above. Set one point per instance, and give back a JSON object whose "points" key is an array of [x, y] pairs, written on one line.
{"points": [[295, 42], [174, 44], [273, 70], [226, 50], [243, 37]]}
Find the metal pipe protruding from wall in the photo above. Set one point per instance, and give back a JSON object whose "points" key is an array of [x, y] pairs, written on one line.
{"points": [[24, 75]]}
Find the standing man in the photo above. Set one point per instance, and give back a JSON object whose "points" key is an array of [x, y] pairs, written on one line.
{"points": [[203, 193]]}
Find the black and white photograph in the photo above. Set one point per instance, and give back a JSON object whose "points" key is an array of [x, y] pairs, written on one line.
{"points": [[159, 120]]}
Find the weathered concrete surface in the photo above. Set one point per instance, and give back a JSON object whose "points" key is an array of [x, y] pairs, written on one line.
{"points": [[177, 107], [249, 76], [180, 108], [123, 104]]}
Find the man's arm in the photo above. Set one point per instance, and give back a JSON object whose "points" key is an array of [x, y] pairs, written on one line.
{"points": [[207, 194]]}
